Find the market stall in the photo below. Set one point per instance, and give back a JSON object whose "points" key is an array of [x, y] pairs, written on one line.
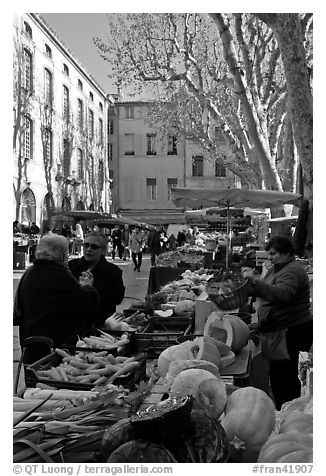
{"points": [[167, 371]]}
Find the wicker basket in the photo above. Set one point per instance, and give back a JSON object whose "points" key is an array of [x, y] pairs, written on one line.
{"points": [[229, 301]]}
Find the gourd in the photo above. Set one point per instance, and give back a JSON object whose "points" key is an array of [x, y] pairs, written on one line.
{"points": [[229, 329], [249, 420], [178, 366], [297, 422], [209, 391], [141, 451], [205, 441], [289, 447], [188, 350]]}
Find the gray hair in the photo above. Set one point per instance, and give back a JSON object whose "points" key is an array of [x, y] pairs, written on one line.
{"points": [[52, 247]]}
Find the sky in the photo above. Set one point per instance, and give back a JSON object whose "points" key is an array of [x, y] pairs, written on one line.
{"points": [[76, 30]]}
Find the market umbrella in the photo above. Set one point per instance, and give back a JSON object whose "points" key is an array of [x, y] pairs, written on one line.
{"points": [[107, 222], [231, 197], [82, 214]]}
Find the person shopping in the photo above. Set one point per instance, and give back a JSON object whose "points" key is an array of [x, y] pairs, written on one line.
{"points": [[125, 242], [284, 295], [107, 277], [116, 238], [136, 245], [49, 301], [154, 243]]}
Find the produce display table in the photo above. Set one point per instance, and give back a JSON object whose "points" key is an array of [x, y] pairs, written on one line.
{"points": [[160, 275]]}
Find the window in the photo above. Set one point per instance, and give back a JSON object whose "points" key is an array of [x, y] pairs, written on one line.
{"points": [[48, 87], [151, 188], [28, 29], [80, 84], [90, 124], [100, 175], [111, 178], [100, 131], [48, 51], [80, 163], [220, 170], [171, 182], [66, 161], [91, 97], [129, 144], [28, 70], [110, 151], [80, 114], [197, 166], [100, 106], [172, 145], [110, 127], [151, 144], [48, 146], [65, 103], [27, 139], [65, 69], [91, 168], [129, 112]]}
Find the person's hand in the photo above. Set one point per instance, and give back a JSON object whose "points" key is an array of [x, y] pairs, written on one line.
{"points": [[248, 273], [86, 278]]}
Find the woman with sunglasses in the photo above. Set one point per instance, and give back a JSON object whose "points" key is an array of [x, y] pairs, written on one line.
{"points": [[284, 304], [107, 277]]}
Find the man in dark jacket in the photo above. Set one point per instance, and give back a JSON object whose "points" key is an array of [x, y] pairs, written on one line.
{"points": [[49, 301], [107, 276], [116, 237], [154, 243]]}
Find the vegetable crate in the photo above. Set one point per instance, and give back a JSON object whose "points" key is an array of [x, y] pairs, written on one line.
{"points": [[53, 360], [127, 349], [161, 333]]}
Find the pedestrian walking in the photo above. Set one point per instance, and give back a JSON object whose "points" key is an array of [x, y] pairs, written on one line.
{"points": [[155, 243], [125, 242], [116, 237], [136, 245]]}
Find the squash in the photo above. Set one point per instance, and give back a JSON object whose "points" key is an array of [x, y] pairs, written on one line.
{"points": [[287, 448], [199, 348], [209, 391], [249, 420], [221, 347], [297, 422], [184, 307], [205, 441], [115, 436], [178, 366], [141, 451], [229, 329]]}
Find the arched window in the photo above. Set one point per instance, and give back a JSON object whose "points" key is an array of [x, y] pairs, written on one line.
{"points": [[48, 87], [48, 206], [65, 69], [91, 207], [66, 158], [28, 206], [91, 97], [48, 50]]}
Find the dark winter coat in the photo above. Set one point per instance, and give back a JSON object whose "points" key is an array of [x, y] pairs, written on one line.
{"points": [[107, 281], [154, 243], [50, 302], [284, 294]]}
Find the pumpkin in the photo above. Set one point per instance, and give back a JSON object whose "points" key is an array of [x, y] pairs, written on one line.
{"points": [[205, 441], [188, 350], [115, 436], [209, 391], [178, 366], [289, 447], [229, 329], [297, 422], [249, 420], [221, 347], [141, 451]]}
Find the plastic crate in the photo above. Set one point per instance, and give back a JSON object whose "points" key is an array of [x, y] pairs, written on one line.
{"points": [[53, 360], [161, 333]]}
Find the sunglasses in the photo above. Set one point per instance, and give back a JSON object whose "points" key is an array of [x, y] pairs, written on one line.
{"points": [[92, 246]]}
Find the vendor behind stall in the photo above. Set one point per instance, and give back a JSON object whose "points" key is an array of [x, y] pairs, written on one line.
{"points": [[49, 302], [107, 276]]}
